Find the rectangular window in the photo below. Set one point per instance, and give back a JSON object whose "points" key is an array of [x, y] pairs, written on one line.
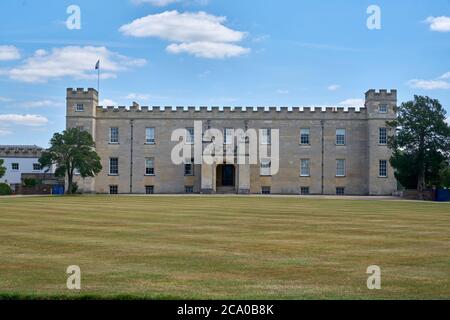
{"points": [[304, 136], [189, 168], [340, 191], [383, 136], [304, 191], [37, 167], [228, 136], [340, 168], [113, 135], [265, 169], [113, 190], [340, 137], [383, 108], [80, 128], [189, 189], [383, 171], [149, 189], [150, 166], [114, 166], [15, 166], [79, 107], [190, 136], [150, 135], [266, 136], [265, 190], [304, 168]]}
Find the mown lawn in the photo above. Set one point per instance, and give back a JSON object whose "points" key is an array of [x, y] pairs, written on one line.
{"points": [[223, 247]]}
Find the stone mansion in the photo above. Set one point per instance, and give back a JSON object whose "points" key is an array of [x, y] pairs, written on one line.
{"points": [[325, 150]]}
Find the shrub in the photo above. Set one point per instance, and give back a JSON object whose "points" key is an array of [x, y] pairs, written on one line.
{"points": [[5, 190], [30, 182]]}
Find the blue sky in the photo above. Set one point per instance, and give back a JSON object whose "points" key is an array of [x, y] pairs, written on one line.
{"points": [[216, 52]]}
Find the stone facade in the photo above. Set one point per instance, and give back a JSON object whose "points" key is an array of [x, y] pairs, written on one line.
{"points": [[362, 152]]}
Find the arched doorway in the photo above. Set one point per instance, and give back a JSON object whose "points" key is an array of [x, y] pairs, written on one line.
{"points": [[226, 177]]}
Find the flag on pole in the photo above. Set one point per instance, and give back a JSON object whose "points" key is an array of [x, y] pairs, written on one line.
{"points": [[97, 65]]}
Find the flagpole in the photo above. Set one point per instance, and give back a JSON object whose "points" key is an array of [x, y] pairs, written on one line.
{"points": [[98, 81]]}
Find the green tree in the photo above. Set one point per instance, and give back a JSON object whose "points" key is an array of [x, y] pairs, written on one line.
{"points": [[72, 150], [421, 143], [2, 168]]}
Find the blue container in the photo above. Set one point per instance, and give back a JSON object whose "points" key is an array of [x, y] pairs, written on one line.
{"points": [[58, 190], [442, 195]]}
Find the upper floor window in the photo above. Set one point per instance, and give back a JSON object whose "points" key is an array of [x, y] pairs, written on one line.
{"points": [[79, 107], [150, 166], [228, 135], [383, 108], [340, 137], [189, 135], [150, 135], [80, 128], [383, 169], [14, 166], [114, 135], [304, 136], [266, 165], [113, 166], [266, 136], [37, 167], [383, 139], [304, 168], [340, 168]]}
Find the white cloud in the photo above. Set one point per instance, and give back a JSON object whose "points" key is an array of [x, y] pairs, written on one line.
{"points": [[429, 84], [333, 87], [4, 99], [439, 24], [108, 103], [5, 132], [74, 62], [200, 34], [138, 96], [42, 103], [445, 75], [25, 120], [354, 102], [182, 27], [261, 38], [282, 91], [156, 3], [8, 53], [210, 50]]}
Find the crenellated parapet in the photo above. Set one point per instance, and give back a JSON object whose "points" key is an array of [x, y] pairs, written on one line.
{"points": [[382, 94], [215, 109]]}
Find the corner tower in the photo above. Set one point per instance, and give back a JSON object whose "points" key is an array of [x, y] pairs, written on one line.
{"points": [[81, 111], [380, 108]]}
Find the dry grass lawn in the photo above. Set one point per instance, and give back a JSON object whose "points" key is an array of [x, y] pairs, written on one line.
{"points": [[223, 247]]}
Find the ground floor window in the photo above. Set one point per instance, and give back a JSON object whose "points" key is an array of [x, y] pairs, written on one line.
{"points": [[189, 168], [189, 189], [304, 191], [265, 190], [113, 189], [340, 191], [15, 166], [149, 189]]}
